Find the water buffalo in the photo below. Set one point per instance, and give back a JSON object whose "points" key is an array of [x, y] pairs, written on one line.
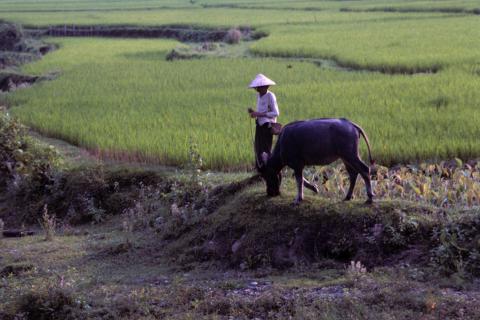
{"points": [[316, 142]]}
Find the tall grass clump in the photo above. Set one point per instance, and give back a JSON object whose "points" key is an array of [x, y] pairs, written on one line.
{"points": [[233, 36], [48, 223]]}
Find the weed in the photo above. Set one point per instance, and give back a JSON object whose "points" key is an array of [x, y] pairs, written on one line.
{"points": [[195, 163], [355, 271], [457, 249], [48, 223], [56, 304], [127, 227]]}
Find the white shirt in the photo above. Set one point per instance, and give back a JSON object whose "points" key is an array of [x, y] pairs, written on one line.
{"points": [[268, 104]]}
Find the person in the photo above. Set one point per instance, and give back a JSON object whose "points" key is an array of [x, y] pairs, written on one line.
{"points": [[266, 114]]}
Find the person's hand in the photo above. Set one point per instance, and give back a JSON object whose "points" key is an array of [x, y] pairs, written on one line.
{"points": [[252, 113]]}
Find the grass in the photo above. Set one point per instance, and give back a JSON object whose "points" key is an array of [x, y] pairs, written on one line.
{"points": [[209, 17], [389, 46], [205, 17], [122, 100], [90, 272], [462, 6], [88, 5]]}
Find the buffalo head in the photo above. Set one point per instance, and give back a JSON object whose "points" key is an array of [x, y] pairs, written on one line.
{"points": [[272, 178]]}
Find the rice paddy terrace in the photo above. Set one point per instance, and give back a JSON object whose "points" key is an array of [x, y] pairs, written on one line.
{"points": [[407, 71]]}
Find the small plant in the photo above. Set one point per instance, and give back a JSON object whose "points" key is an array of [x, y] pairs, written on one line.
{"points": [[195, 163], [356, 271], [177, 213], [48, 224], [128, 226]]}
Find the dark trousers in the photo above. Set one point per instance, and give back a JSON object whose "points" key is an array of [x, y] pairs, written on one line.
{"points": [[263, 141]]}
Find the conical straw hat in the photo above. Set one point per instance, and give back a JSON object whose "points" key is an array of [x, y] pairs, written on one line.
{"points": [[260, 81]]}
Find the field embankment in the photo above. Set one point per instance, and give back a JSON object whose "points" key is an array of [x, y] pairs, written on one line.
{"points": [[17, 48], [178, 32]]}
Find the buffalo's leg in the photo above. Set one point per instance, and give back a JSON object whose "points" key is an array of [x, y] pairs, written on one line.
{"points": [[299, 178], [364, 171], [352, 174], [307, 184]]}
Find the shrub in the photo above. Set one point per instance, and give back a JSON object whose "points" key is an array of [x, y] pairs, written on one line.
{"points": [[233, 36], [10, 35], [53, 304], [21, 158]]}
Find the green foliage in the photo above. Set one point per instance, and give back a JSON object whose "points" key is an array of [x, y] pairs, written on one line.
{"points": [[390, 45], [166, 103], [122, 83], [458, 246], [21, 158], [195, 163]]}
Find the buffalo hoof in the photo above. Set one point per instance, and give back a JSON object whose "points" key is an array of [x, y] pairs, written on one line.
{"points": [[369, 201], [347, 199], [297, 202]]}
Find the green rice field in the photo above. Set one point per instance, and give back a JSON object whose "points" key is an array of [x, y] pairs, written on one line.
{"points": [[404, 44], [91, 5], [121, 99]]}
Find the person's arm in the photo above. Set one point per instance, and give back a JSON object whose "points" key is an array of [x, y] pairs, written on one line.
{"points": [[274, 112], [256, 114]]}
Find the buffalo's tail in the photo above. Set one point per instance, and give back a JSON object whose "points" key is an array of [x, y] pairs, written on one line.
{"points": [[360, 130]]}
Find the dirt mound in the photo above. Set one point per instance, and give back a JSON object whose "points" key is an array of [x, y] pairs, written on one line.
{"points": [[12, 81], [253, 231]]}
